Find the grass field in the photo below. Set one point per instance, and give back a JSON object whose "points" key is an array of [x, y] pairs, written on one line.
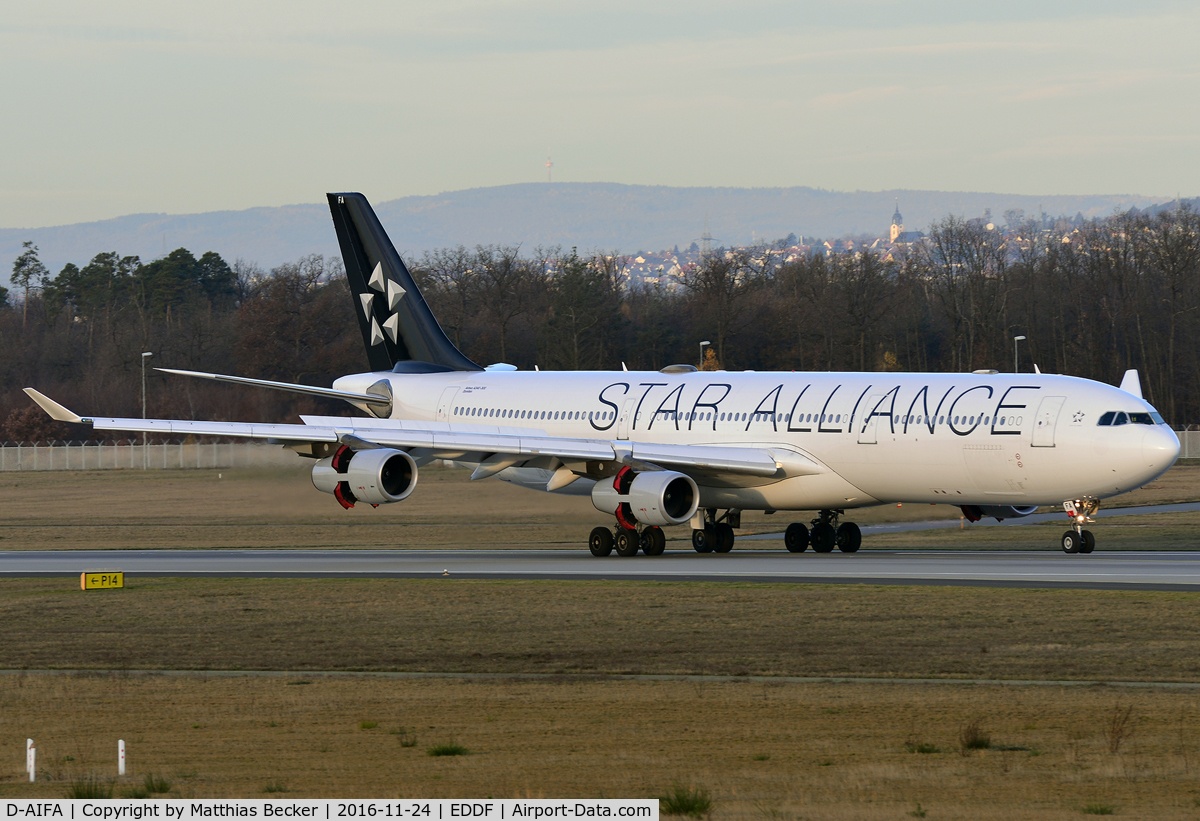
{"points": [[592, 627], [764, 751], [265, 509], [770, 750]]}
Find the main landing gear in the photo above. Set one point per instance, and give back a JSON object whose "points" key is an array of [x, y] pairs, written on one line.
{"points": [[717, 535], [1080, 511], [627, 541], [826, 534]]}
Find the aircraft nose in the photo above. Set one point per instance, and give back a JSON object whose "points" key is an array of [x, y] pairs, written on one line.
{"points": [[1160, 448]]}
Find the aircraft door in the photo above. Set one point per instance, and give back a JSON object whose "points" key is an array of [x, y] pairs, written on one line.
{"points": [[1045, 420], [445, 403], [867, 434], [623, 421]]}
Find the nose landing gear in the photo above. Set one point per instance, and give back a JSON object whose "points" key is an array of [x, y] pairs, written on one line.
{"points": [[1080, 511]]}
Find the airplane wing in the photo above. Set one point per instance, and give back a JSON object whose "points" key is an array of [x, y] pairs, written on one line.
{"points": [[470, 443]]}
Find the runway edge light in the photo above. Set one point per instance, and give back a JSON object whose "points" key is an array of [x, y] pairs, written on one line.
{"points": [[101, 579]]}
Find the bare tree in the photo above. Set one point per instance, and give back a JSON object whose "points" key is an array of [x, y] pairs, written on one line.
{"points": [[720, 288], [506, 285]]}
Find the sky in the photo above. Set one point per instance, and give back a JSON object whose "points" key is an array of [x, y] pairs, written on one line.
{"points": [[134, 107]]}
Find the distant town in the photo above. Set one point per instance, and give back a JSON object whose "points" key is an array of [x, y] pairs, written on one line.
{"points": [[894, 243]]}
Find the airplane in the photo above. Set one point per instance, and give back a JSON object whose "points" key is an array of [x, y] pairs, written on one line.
{"points": [[679, 446]]}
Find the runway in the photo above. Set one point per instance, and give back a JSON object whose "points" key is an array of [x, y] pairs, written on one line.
{"points": [[1116, 570], [749, 562]]}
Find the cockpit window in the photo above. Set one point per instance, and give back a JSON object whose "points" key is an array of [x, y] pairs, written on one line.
{"points": [[1131, 418]]}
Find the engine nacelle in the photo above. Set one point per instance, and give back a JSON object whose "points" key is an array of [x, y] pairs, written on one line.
{"points": [[659, 497], [998, 512], [377, 477]]}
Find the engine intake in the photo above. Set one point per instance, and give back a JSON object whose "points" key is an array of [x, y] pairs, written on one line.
{"points": [[377, 477], [998, 512], [660, 497]]}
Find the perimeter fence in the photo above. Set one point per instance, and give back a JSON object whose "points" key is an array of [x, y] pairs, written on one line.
{"points": [[1189, 442], [131, 454]]}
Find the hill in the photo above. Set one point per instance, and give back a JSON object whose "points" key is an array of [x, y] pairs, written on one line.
{"points": [[608, 216]]}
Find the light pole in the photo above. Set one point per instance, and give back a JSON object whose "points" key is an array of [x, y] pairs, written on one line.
{"points": [[703, 345], [1016, 342], [145, 355]]}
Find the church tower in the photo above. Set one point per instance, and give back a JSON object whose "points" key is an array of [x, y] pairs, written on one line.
{"points": [[897, 222]]}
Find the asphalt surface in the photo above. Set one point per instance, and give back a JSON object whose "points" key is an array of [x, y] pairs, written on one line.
{"points": [[748, 563], [1139, 570]]}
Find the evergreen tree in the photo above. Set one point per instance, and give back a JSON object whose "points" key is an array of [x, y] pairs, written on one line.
{"points": [[28, 272]]}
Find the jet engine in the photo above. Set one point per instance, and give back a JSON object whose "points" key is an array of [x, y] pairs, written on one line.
{"points": [[659, 497], [378, 476], [999, 512]]}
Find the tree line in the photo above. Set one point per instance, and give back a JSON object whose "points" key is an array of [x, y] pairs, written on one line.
{"points": [[1091, 300]]}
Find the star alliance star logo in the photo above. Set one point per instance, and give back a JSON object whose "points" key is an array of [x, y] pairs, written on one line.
{"points": [[393, 293], [1078, 417]]}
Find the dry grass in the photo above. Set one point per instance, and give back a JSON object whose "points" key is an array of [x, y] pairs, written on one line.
{"points": [[602, 627], [773, 750], [280, 509], [836, 751], [185, 509]]}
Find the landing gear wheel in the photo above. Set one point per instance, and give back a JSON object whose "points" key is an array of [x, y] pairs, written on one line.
{"points": [[704, 540], [848, 537], [601, 541], [1089, 542], [1071, 542], [724, 538], [627, 542], [823, 537], [795, 538], [654, 541]]}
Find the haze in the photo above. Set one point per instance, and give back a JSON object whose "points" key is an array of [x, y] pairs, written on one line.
{"points": [[184, 108]]}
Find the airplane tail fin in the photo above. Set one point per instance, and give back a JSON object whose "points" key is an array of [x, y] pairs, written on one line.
{"points": [[398, 328]]}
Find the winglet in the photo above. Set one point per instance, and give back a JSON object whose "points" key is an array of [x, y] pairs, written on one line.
{"points": [[1132, 383], [56, 411]]}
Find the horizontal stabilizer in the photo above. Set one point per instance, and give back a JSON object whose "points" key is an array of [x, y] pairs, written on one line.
{"points": [[1131, 383], [329, 393]]}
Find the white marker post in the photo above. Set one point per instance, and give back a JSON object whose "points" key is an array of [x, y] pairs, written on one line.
{"points": [[121, 756], [30, 759]]}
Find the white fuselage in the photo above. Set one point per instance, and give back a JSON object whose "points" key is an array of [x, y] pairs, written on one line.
{"points": [[961, 439]]}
